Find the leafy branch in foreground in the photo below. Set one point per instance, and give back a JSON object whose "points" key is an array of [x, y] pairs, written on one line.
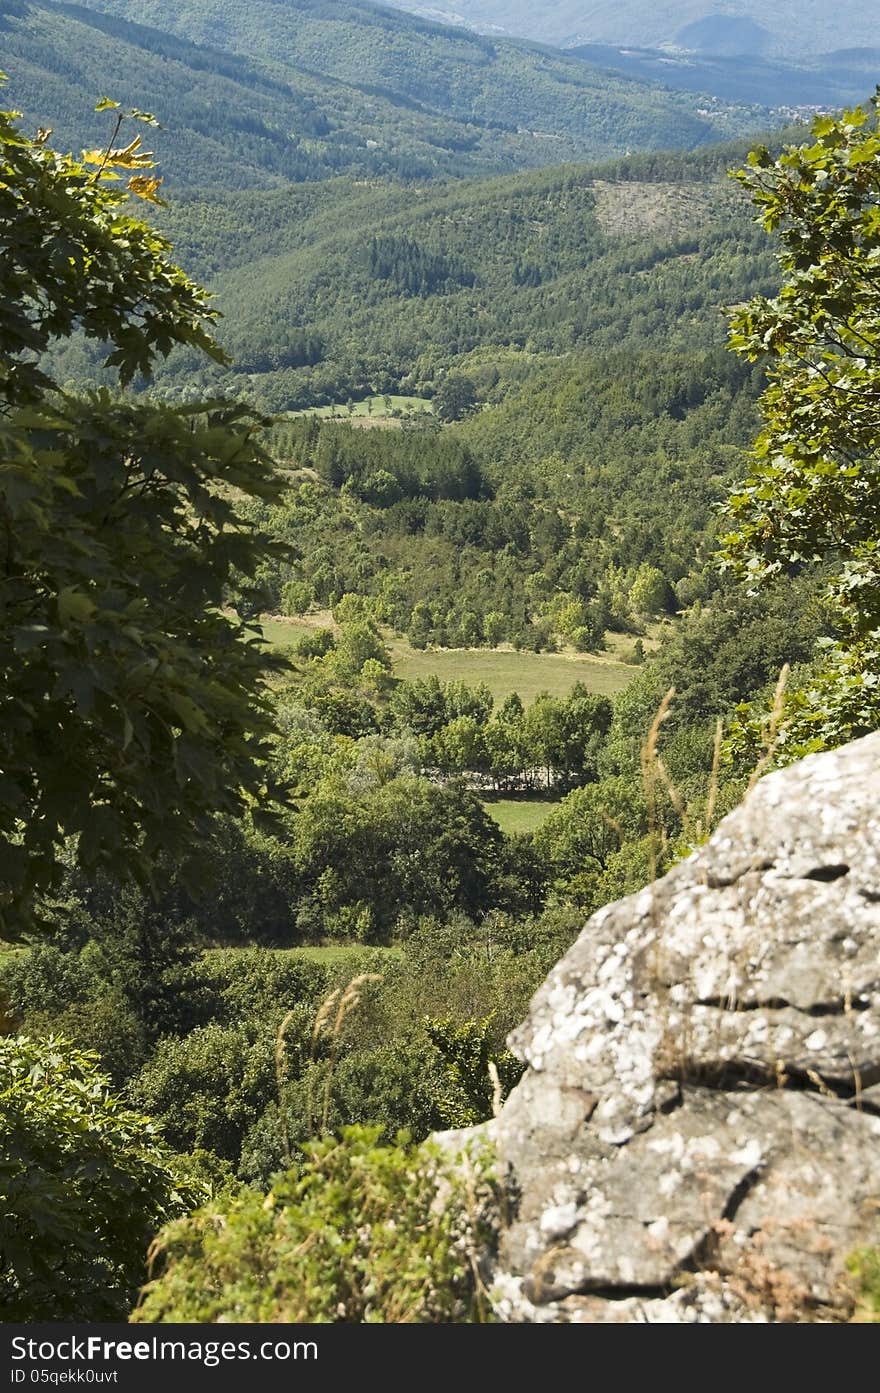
{"points": [[131, 707], [85, 1182], [814, 495]]}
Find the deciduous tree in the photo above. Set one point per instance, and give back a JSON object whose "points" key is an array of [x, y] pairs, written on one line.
{"points": [[131, 706], [814, 492]]}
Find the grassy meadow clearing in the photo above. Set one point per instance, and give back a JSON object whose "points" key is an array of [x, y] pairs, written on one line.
{"points": [[502, 669], [519, 814], [370, 411]]}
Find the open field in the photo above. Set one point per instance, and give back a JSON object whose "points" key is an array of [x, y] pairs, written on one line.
{"points": [[372, 411], [282, 633], [519, 814], [502, 669], [619, 646], [505, 671], [338, 954]]}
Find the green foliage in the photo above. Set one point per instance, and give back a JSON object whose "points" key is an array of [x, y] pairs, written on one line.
{"points": [[316, 644], [257, 985], [582, 835], [355, 1235], [735, 644], [412, 270], [85, 1182], [575, 501], [292, 259], [650, 592], [208, 1086], [115, 263], [112, 980], [202, 1060], [815, 490], [455, 398], [131, 706], [405, 845], [468, 1052], [864, 1267]]}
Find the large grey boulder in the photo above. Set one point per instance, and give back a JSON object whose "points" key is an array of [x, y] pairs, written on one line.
{"points": [[697, 1134]]}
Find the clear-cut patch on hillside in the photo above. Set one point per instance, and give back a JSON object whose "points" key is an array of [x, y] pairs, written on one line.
{"points": [[662, 208]]}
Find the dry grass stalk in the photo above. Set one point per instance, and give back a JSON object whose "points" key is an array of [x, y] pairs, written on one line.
{"points": [[650, 772], [695, 830], [497, 1092], [280, 1071], [712, 796], [770, 733], [347, 1001]]}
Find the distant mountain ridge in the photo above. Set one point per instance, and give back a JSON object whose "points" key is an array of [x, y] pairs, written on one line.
{"points": [[831, 80], [786, 29], [316, 290], [292, 90]]}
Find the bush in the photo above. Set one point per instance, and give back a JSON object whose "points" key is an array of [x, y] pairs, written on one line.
{"points": [[258, 984], [84, 1183], [44, 978], [864, 1267], [103, 1024], [392, 1087], [316, 644], [52, 990], [209, 1087], [358, 1234]]}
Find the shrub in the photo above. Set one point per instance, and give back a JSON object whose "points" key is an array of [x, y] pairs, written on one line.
{"points": [[864, 1267], [208, 1087], [316, 644], [257, 984], [84, 1183], [361, 1233]]}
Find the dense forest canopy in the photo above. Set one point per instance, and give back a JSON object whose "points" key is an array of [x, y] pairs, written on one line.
{"points": [[319, 308], [504, 422], [268, 94]]}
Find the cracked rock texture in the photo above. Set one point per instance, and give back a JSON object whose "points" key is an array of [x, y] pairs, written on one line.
{"points": [[697, 1134]]}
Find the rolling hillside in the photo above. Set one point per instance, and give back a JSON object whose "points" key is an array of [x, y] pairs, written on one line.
{"points": [[340, 290], [271, 92]]}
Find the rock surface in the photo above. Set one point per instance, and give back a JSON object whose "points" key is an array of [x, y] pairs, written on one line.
{"points": [[697, 1134]]}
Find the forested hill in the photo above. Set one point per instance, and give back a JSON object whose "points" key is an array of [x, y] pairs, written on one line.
{"points": [[265, 93], [345, 288], [583, 305]]}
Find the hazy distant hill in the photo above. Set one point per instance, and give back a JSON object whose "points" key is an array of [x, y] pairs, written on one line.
{"points": [[781, 28], [831, 80], [273, 91]]}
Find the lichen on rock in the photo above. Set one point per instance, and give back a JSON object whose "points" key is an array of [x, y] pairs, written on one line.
{"points": [[697, 1134]]}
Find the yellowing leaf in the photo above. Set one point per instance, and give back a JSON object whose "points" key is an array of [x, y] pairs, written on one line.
{"points": [[144, 187], [107, 104], [123, 157], [119, 160]]}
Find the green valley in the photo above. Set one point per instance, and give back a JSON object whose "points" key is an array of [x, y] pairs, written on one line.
{"points": [[397, 567]]}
